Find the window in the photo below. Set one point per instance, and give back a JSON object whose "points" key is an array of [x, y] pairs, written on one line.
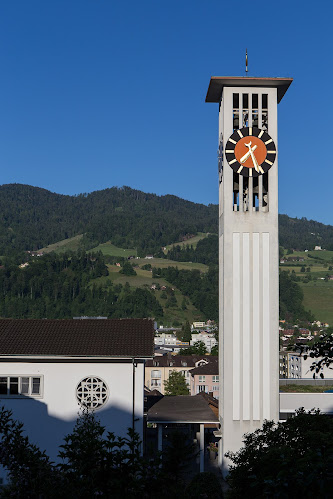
{"points": [[92, 392], [202, 379], [156, 374], [215, 379], [30, 386], [184, 364], [215, 388], [155, 383], [202, 388]]}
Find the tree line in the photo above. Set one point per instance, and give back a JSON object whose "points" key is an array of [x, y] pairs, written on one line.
{"points": [[59, 286]]}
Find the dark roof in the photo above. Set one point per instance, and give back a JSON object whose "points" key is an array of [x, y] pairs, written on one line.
{"points": [[182, 409], [211, 368], [88, 337], [218, 82], [211, 400], [176, 360]]}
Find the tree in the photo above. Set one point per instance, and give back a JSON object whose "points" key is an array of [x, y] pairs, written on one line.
{"points": [[215, 350], [176, 384], [199, 348], [186, 333], [286, 459], [321, 351], [127, 269]]}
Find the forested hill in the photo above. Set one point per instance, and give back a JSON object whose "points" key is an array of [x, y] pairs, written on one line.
{"points": [[32, 218]]}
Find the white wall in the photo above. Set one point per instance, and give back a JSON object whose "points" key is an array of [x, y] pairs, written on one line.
{"points": [[48, 418]]}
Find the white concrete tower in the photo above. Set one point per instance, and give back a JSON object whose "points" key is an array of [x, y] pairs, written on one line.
{"points": [[248, 253]]}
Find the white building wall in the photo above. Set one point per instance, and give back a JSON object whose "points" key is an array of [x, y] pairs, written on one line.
{"points": [[47, 419]]}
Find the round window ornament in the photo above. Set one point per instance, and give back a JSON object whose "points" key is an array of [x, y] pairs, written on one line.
{"points": [[92, 393], [250, 151]]}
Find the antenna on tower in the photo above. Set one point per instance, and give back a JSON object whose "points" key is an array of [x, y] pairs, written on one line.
{"points": [[246, 67]]}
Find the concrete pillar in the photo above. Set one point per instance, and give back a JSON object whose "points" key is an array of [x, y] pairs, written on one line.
{"points": [[202, 447]]}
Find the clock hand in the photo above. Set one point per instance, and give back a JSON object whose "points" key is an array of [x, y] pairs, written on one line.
{"points": [[254, 161], [248, 154]]}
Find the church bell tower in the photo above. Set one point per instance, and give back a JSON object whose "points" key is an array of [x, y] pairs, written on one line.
{"points": [[248, 253]]}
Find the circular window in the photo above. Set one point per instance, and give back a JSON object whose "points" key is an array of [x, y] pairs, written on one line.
{"points": [[92, 392]]}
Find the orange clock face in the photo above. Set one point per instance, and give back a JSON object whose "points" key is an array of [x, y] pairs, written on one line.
{"points": [[250, 151]]}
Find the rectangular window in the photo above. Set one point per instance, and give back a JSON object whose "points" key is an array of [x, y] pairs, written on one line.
{"points": [[156, 374], [215, 379], [264, 112], [235, 112], [25, 386], [202, 388], [13, 386], [202, 379], [215, 388], [30, 386], [3, 386]]}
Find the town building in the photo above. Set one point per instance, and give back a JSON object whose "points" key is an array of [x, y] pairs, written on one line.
{"points": [[205, 378], [158, 369], [207, 338], [50, 370]]}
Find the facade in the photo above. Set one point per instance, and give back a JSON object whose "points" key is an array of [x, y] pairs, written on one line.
{"points": [[158, 370], [207, 338], [52, 369], [206, 379], [290, 365], [248, 253]]}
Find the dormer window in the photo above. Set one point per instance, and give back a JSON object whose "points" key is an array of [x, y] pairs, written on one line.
{"points": [[184, 364]]}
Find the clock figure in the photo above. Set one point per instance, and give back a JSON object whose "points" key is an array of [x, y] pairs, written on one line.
{"points": [[250, 151]]}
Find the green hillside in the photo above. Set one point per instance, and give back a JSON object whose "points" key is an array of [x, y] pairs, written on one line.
{"points": [[32, 218]]}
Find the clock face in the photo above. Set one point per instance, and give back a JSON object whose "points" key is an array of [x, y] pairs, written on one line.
{"points": [[250, 151]]}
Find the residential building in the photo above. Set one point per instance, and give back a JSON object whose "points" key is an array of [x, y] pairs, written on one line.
{"points": [[158, 370], [207, 338], [52, 369], [205, 378], [290, 365]]}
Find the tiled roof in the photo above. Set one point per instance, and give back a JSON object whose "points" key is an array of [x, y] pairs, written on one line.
{"points": [[211, 368], [176, 360], [85, 337]]}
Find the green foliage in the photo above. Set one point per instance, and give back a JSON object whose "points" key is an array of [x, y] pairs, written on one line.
{"points": [[291, 299], [321, 351], [215, 350], [178, 454], [199, 348], [30, 471], [206, 251], [176, 384], [202, 289], [94, 463], [286, 459], [127, 269], [59, 286], [32, 218], [186, 333]]}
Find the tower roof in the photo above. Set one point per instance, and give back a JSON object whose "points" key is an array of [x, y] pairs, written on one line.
{"points": [[217, 83]]}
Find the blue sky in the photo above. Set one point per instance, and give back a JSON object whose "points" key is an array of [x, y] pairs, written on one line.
{"points": [[96, 93]]}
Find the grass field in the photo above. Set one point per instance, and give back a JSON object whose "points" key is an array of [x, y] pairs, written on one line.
{"points": [[143, 279], [71, 244], [193, 241], [304, 388], [111, 250], [318, 297]]}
